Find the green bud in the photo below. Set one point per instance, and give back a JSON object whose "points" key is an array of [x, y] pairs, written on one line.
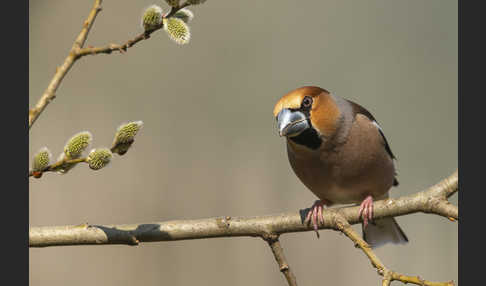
{"points": [[184, 14], [125, 136], [177, 30], [77, 144], [99, 158], [152, 17], [41, 160], [195, 2], [173, 3]]}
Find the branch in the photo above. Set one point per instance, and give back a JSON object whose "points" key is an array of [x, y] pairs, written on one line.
{"points": [[277, 251], [58, 165], [108, 49], [388, 275], [432, 200], [65, 163], [50, 93], [78, 51]]}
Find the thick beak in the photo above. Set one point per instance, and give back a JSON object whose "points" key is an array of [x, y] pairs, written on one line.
{"points": [[291, 123]]}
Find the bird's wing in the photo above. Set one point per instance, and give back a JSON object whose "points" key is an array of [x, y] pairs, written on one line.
{"points": [[358, 109]]}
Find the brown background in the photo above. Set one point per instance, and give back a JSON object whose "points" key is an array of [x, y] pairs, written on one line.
{"points": [[209, 146]]}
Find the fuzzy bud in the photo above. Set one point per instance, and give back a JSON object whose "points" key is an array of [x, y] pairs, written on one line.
{"points": [[77, 144], [99, 158], [177, 30], [125, 136], [41, 161], [185, 15], [152, 17]]}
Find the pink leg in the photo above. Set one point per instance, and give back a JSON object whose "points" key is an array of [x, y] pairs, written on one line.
{"points": [[315, 214], [366, 210]]}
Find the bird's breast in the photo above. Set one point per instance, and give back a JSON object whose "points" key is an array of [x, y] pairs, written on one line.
{"points": [[339, 177]]}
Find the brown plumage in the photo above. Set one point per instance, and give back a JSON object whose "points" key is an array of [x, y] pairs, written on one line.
{"points": [[338, 151]]}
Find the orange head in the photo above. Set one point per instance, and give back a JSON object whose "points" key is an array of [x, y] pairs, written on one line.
{"points": [[307, 113]]}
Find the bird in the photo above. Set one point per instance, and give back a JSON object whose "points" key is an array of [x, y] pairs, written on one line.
{"points": [[339, 152]]}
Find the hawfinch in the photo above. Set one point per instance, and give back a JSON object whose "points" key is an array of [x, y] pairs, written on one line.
{"points": [[338, 151]]}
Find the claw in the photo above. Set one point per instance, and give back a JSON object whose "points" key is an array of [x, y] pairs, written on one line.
{"points": [[319, 215], [366, 210], [307, 217], [314, 220], [314, 215]]}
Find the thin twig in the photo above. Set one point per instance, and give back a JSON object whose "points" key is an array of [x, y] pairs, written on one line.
{"points": [[50, 93], [386, 279], [108, 49], [78, 51], [277, 250], [67, 163], [56, 166], [388, 275]]}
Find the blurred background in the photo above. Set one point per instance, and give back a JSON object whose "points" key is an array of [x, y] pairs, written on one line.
{"points": [[209, 145]]}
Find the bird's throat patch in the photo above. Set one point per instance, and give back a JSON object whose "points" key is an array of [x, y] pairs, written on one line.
{"points": [[308, 138]]}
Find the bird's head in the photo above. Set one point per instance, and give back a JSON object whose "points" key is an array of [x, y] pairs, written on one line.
{"points": [[306, 115]]}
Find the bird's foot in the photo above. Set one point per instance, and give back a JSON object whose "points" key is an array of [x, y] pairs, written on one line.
{"points": [[366, 210], [315, 215]]}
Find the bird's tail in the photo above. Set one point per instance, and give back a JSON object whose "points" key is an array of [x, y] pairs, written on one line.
{"points": [[383, 231]]}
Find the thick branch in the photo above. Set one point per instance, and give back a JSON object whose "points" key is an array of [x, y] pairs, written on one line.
{"points": [[278, 253], [50, 93], [428, 201]]}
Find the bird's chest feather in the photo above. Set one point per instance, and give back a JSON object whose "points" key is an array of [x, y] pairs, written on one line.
{"points": [[344, 174]]}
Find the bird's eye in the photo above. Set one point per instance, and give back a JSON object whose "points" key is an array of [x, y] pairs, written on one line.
{"points": [[307, 102]]}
